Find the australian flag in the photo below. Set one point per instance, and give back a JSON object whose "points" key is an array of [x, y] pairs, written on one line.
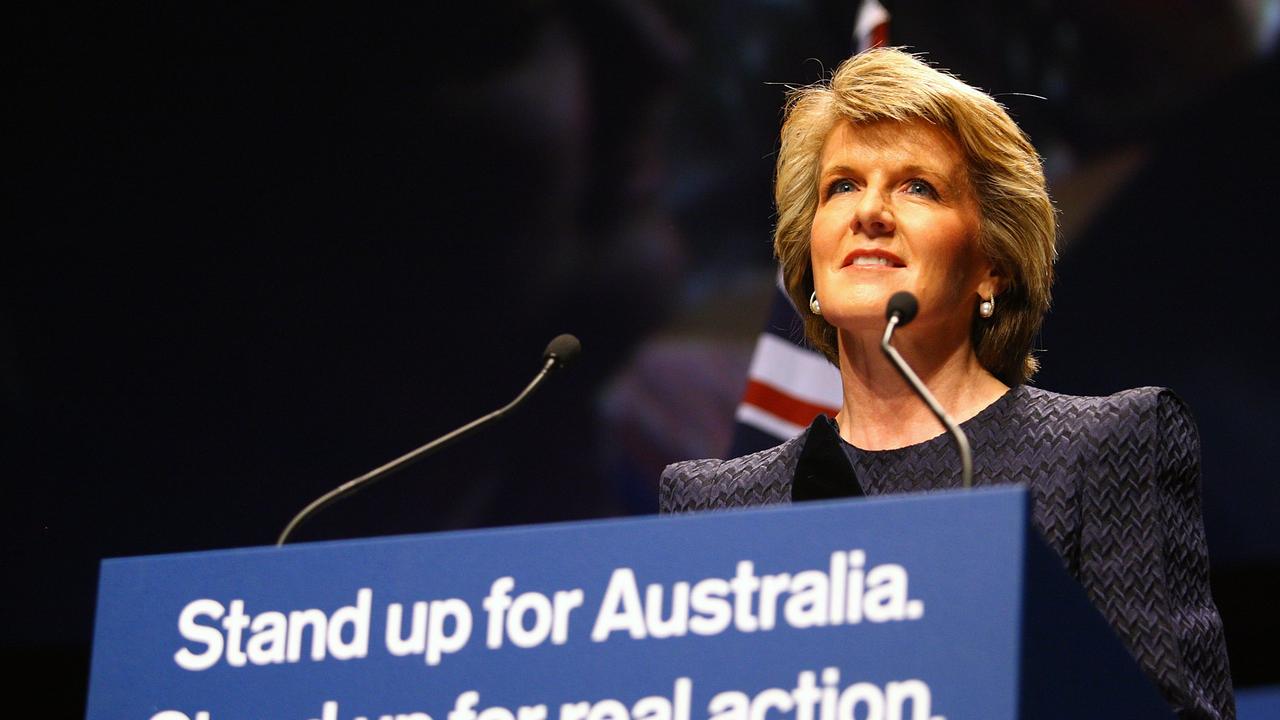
{"points": [[789, 383]]}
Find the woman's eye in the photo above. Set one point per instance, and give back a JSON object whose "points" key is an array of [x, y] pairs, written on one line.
{"points": [[920, 187], [840, 186]]}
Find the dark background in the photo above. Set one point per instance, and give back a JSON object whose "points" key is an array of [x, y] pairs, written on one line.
{"points": [[256, 252]]}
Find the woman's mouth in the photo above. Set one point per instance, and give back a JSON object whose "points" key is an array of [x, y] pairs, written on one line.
{"points": [[872, 259]]}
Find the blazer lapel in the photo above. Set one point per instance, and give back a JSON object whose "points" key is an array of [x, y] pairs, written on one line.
{"points": [[823, 471]]}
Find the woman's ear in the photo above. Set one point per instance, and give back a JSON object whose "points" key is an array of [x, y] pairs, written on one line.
{"points": [[806, 284], [994, 282]]}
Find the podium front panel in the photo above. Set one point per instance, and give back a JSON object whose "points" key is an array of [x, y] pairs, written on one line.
{"points": [[905, 606]]}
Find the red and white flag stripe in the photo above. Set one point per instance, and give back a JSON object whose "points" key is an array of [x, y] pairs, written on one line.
{"points": [[787, 386]]}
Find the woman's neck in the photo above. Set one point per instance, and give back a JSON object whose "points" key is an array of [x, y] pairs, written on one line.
{"points": [[880, 411]]}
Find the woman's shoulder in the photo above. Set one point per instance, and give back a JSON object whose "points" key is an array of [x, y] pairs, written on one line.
{"points": [[1141, 424], [1141, 408], [761, 477], [1139, 397]]}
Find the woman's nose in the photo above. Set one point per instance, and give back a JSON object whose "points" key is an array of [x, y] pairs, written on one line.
{"points": [[873, 217]]}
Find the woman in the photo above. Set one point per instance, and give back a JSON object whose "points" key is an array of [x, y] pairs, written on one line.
{"points": [[895, 176]]}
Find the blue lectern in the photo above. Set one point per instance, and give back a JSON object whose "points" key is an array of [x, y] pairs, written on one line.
{"points": [[916, 607]]}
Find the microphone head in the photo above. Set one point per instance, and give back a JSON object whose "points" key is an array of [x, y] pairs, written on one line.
{"points": [[904, 305], [562, 350]]}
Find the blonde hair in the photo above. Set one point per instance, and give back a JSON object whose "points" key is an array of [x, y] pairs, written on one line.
{"points": [[1018, 228]]}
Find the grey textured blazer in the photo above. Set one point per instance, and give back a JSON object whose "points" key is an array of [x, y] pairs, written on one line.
{"points": [[1115, 487]]}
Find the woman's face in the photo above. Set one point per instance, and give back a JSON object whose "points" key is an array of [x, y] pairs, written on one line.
{"points": [[896, 212]]}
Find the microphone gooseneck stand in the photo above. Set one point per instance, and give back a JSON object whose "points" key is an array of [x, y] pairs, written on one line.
{"points": [[902, 309], [560, 352]]}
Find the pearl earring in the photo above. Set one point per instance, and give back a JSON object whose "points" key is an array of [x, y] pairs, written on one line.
{"points": [[987, 308], [814, 307]]}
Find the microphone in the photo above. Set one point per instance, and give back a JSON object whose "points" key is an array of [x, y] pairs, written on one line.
{"points": [[561, 351], [900, 310]]}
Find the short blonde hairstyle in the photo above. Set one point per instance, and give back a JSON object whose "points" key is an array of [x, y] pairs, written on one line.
{"points": [[1018, 228]]}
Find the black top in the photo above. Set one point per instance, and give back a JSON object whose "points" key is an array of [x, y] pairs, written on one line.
{"points": [[1115, 487]]}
